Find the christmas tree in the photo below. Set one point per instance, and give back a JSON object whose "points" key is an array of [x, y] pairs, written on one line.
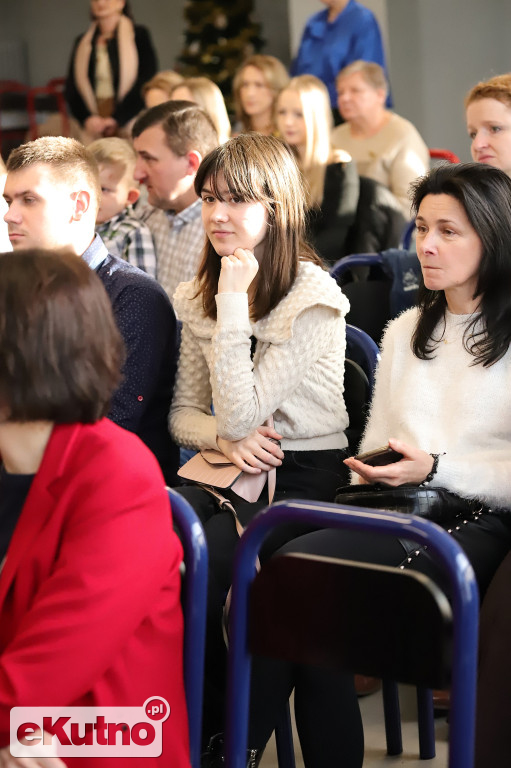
{"points": [[218, 37]]}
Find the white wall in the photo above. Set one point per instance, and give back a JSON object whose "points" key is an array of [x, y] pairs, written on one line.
{"points": [[440, 48]]}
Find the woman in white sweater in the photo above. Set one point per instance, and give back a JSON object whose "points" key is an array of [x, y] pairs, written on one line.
{"points": [[263, 335], [442, 400]]}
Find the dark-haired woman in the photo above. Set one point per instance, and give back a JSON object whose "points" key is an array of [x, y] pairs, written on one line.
{"points": [[109, 65], [263, 335], [442, 399], [89, 588]]}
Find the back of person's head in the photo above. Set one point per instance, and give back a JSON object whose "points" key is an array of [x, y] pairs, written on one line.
{"points": [[207, 95], [187, 127], [60, 349], [117, 152], [69, 160], [164, 81], [274, 73], [484, 193], [318, 120], [259, 168], [498, 88], [373, 74]]}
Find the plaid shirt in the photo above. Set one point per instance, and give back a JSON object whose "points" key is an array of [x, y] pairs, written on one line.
{"points": [[127, 237], [179, 241]]}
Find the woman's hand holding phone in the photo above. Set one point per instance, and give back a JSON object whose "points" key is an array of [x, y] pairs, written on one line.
{"points": [[413, 467], [237, 271]]}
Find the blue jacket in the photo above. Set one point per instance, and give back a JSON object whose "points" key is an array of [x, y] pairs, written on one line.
{"points": [[326, 47]]}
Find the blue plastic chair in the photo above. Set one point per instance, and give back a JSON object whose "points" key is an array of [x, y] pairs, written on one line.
{"points": [[195, 587], [355, 260], [358, 341], [445, 551]]}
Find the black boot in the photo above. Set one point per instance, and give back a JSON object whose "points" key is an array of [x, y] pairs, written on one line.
{"points": [[214, 755]]}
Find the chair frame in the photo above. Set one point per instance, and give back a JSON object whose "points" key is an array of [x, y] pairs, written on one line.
{"points": [[369, 349], [195, 589], [446, 552]]}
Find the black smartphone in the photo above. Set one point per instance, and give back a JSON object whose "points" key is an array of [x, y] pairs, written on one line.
{"points": [[379, 456]]}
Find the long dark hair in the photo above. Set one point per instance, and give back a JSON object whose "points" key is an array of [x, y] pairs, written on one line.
{"points": [[485, 194], [259, 168]]}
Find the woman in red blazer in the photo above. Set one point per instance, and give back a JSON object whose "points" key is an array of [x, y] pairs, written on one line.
{"points": [[89, 586]]}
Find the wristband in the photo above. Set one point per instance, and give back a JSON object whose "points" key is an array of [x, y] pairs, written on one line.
{"points": [[429, 477]]}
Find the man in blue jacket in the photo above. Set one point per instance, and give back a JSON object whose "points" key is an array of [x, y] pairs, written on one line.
{"points": [[53, 193]]}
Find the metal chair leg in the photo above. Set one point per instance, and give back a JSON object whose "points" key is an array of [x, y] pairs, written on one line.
{"points": [[426, 721], [392, 716]]}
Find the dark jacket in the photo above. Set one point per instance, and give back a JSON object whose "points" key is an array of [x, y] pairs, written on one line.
{"points": [[132, 103], [357, 215]]}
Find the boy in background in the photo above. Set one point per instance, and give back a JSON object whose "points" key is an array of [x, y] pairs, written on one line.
{"points": [[122, 232]]}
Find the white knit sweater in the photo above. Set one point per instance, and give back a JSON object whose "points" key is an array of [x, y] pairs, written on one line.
{"points": [[296, 374], [446, 404]]}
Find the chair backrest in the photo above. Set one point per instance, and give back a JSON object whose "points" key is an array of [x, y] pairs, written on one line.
{"points": [[357, 395], [444, 551], [368, 290], [194, 599], [13, 112], [362, 355], [47, 99], [443, 154], [361, 348], [407, 612]]}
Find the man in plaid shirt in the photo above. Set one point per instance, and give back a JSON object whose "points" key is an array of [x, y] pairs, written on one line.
{"points": [[123, 233], [171, 140]]}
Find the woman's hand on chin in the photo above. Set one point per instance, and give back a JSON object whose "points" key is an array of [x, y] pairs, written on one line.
{"points": [[413, 468], [237, 271], [255, 452]]}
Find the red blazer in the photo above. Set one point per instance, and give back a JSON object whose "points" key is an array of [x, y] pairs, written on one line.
{"points": [[89, 593]]}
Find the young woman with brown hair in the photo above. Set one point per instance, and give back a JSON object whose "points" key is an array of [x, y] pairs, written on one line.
{"points": [[263, 334]]}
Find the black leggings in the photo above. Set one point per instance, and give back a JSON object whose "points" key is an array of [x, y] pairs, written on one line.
{"points": [[304, 475], [327, 698]]}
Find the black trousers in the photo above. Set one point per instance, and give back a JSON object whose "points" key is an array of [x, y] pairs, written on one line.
{"points": [[328, 716], [303, 474]]}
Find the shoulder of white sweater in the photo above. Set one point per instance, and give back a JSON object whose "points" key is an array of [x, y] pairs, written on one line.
{"points": [[312, 287], [401, 326]]}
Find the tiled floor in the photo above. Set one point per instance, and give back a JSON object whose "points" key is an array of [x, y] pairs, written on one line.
{"points": [[375, 754]]}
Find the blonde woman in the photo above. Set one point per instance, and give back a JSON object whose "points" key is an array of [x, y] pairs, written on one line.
{"points": [[158, 88], [304, 121], [256, 85], [205, 93], [347, 213]]}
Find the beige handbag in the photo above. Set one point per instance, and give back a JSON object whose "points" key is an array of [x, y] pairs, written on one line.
{"points": [[212, 469]]}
